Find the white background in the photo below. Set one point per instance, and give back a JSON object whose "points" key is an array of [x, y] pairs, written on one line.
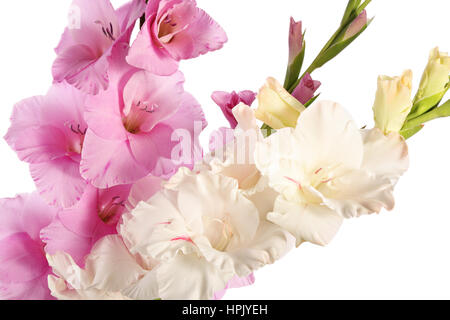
{"points": [[400, 254]]}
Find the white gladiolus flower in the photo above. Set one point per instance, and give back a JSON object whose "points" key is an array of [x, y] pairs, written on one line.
{"points": [[110, 271], [327, 169], [236, 158], [203, 231]]}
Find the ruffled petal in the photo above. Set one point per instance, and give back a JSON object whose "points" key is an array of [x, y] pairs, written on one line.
{"points": [[314, 223], [59, 181], [109, 268], [188, 278], [26, 213], [200, 35], [385, 156], [359, 193], [145, 53]]}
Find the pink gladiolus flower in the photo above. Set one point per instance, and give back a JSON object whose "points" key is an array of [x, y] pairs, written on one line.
{"points": [[227, 101], [135, 126], [95, 28], [23, 266], [295, 40], [175, 30], [48, 132], [306, 89], [77, 229]]}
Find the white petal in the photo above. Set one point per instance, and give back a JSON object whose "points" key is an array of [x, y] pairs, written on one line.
{"points": [[109, 267], [328, 136], [112, 265], [145, 289], [189, 278], [359, 193], [213, 195], [385, 156], [313, 223], [237, 159], [270, 244], [151, 229], [61, 291]]}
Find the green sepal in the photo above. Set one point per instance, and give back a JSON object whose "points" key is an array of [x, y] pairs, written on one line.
{"points": [[293, 70], [408, 133], [311, 101], [440, 112], [267, 130], [424, 105]]}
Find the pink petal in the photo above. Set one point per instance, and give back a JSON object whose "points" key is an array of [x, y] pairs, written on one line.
{"points": [[306, 89], [36, 289], [143, 190], [86, 45], [23, 266], [78, 229], [41, 126], [227, 101], [129, 13], [153, 98], [104, 117], [201, 35], [25, 214], [21, 259], [188, 123], [82, 68], [146, 53], [107, 163], [93, 15], [59, 239], [59, 181], [157, 143]]}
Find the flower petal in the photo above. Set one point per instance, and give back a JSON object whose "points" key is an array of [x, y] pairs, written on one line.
{"points": [[328, 136], [59, 181], [145, 53], [313, 223], [359, 193], [385, 155], [189, 278], [110, 267], [201, 34], [107, 163]]}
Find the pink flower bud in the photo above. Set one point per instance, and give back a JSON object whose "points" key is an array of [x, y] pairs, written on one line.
{"points": [[295, 40], [356, 25], [306, 89], [227, 101]]}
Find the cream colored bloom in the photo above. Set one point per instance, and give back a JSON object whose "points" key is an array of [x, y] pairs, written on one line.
{"points": [[110, 273], [277, 107], [204, 232], [393, 102], [237, 161], [436, 75], [327, 169]]}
